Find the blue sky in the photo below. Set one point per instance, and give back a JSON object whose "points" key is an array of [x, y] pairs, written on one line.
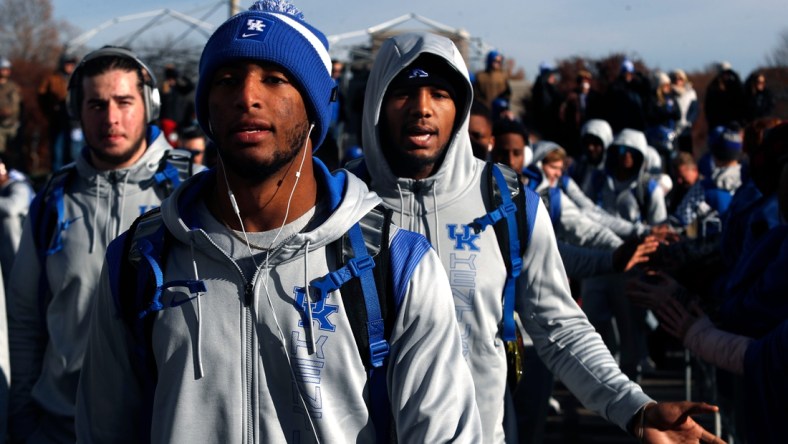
{"points": [[667, 34]]}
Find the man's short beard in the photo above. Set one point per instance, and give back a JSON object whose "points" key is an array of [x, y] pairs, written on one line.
{"points": [[118, 159], [259, 171]]}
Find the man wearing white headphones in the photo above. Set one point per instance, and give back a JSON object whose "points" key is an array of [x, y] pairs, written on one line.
{"points": [[84, 206]]}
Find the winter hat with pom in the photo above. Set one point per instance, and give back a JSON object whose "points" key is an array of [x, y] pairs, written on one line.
{"points": [[273, 31]]}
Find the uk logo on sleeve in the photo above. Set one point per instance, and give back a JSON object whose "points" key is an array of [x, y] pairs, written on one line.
{"points": [[256, 29]]}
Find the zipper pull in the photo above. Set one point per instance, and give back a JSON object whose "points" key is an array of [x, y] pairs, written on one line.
{"points": [[248, 294]]}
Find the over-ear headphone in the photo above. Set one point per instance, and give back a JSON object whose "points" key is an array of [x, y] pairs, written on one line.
{"points": [[150, 94]]}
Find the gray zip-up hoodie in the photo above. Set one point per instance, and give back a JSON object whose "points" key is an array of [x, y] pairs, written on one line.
{"points": [[632, 198], [441, 207], [235, 373], [46, 354], [585, 182]]}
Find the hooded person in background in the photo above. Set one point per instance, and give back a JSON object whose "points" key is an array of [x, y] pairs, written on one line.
{"points": [[274, 359], [628, 190], [418, 157], [113, 94], [589, 167], [586, 177]]}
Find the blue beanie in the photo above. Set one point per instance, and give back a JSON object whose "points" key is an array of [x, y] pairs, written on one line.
{"points": [[491, 56], [273, 31], [725, 143], [627, 66]]}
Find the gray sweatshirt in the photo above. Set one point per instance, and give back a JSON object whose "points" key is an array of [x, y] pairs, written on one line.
{"points": [[631, 198], [46, 354], [235, 373], [441, 207]]}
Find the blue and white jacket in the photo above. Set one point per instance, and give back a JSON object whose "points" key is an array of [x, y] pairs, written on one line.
{"points": [[236, 373], [441, 207]]}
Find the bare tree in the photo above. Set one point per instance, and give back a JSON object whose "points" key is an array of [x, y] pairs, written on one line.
{"points": [[779, 55], [29, 33], [32, 40]]}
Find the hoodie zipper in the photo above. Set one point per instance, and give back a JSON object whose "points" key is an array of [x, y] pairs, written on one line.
{"points": [[248, 300]]}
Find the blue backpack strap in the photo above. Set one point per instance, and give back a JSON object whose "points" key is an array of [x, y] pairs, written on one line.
{"points": [[563, 182], [137, 282], [128, 294], [369, 304], [147, 251], [533, 176], [48, 222], [175, 166], [508, 240], [360, 266], [598, 179], [554, 194], [716, 197]]}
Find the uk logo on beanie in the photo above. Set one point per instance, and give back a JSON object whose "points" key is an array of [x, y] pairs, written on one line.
{"points": [[256, 29]]}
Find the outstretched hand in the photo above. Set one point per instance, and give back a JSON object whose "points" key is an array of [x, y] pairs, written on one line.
{"points": [[670, 422], [634, 252]]}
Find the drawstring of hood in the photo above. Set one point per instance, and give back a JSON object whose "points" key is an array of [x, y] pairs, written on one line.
{"points": [[401, 205], [308, 299], [200, 372], [95, 214], [109, 232], [412, 208], [437, 220], [122, 203]]}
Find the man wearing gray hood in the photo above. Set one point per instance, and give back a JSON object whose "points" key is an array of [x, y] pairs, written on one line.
{"points": [[587, 174], [419, 159], [86, 205], [264, 352]]}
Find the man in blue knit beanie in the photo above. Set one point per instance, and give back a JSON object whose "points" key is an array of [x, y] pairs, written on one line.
{"points": [[272, 321]]}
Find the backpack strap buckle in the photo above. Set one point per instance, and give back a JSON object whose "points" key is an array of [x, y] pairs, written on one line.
{"points": [[358, 265], [378, 351]]}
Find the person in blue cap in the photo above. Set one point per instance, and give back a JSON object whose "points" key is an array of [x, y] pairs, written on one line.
{"points": [[493, 82]]}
